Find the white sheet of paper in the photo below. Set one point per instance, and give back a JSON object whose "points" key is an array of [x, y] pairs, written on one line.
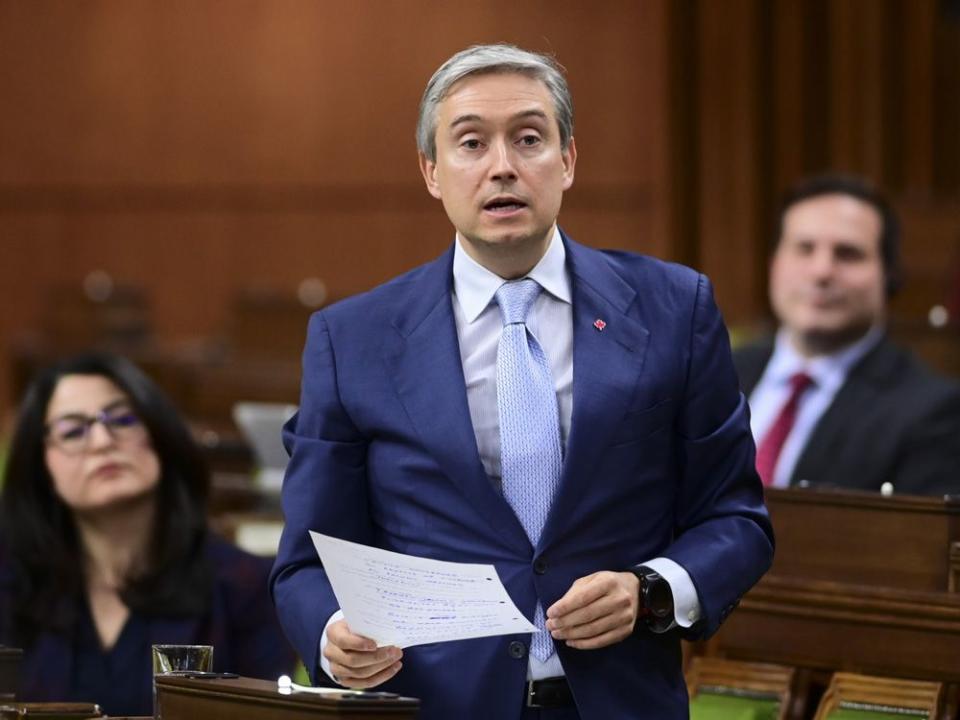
{"points": [[403, 600]]}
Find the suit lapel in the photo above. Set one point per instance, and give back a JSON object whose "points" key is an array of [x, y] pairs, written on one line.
{"points": [[605, 362], [856, 392], [423, 358]]}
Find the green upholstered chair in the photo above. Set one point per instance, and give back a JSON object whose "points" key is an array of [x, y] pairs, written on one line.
{"points": [[865, 697], [733, 690]]}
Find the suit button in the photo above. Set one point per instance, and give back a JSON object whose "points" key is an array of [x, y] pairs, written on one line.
{"points": [[517, 650], [540, 566]]}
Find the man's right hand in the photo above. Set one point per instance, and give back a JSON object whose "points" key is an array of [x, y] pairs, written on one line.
{"points": [[356, 661]]}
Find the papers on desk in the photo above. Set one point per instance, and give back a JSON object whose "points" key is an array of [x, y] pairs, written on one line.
{"points": [[403, 600]]}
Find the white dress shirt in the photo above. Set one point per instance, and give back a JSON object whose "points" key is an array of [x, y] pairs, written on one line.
{"points": [[550, 320], [828, 373]]}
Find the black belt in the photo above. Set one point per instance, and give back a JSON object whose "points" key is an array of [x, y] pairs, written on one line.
{"points": [[549, 693]]}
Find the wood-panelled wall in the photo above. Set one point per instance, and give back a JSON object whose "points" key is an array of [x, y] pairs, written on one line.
{"points": [[197, 147], [194, 148], [782, 89]]}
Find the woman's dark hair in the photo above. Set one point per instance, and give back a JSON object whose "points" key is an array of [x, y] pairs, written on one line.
{"points": [[859, 189], [38, 528]]}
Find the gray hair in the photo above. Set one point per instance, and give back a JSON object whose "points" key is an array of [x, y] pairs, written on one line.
{"points": [[486, 59]]}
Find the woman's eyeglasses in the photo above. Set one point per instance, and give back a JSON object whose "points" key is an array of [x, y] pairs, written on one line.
{"points": [[71, 433]]}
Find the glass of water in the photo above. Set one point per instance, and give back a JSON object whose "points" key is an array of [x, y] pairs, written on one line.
{"points": [[179, 660]]}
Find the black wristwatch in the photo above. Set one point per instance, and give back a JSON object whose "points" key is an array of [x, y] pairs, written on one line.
{"points": [[656, 599]]}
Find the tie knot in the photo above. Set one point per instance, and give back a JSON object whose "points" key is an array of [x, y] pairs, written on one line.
{"points": [[515, 299], [799, 382]]}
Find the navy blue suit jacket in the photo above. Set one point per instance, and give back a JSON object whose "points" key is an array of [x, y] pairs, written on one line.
{"points": [[659, 462]]}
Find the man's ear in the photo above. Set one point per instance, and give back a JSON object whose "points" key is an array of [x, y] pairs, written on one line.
{"points": [[569, 162], [428, 168]]}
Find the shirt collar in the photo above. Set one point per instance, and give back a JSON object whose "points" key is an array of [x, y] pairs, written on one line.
{"points": [[474, 286], [824, 369]]}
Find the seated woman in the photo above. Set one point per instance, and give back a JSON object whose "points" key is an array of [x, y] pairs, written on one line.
{"points": [[106, 549]]}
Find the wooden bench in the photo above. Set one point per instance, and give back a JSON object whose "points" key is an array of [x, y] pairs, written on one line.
{"points": [[721, 688], [856, 696]]}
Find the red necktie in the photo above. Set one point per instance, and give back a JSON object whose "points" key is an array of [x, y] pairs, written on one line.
{"points": [[768, 452]]}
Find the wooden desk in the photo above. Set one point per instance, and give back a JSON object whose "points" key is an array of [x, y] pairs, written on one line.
{"points": [[50, 711], [9, 671], [859, 582], [182, 698]]}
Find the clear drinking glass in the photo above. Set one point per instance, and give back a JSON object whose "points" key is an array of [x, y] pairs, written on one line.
{"points": [[179, 660]]}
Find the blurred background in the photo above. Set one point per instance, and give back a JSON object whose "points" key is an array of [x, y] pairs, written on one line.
{"points": [[184, 181]]}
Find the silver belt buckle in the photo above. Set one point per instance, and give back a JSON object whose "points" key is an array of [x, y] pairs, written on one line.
{"points": [[530, 703]]}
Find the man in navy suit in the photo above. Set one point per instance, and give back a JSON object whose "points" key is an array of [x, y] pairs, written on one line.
{"points": [[407, 435]]}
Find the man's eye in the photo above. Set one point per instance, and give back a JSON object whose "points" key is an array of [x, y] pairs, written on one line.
{"points": [[529, 140], [470, 144], [849, 254]]}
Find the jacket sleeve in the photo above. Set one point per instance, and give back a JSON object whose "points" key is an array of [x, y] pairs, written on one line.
{"points": [[723, 536], [324, 490]]}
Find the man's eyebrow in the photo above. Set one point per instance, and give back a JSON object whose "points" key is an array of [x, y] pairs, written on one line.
{"points": [[461, 119], [473, 117], [539, 114]]}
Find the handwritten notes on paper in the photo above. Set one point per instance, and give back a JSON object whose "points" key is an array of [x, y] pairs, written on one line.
{"points": [[403, 600]]}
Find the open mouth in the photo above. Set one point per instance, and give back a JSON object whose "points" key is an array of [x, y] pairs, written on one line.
{"points": [[504, 205]]}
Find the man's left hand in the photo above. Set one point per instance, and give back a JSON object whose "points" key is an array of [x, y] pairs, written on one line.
{"points": [[598, 610]]}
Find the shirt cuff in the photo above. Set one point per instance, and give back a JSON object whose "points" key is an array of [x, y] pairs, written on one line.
{"points": [[324, 663], [686, 603]]}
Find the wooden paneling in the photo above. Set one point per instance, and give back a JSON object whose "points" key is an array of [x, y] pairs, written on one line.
{"points": [[856, 85], [792, 88], [197, 148], [917, 107]]}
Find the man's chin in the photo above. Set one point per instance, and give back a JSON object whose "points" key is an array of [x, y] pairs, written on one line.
{"points": [[828, 340], [507, 241]]}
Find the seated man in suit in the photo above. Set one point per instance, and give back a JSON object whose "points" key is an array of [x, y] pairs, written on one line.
{"points": [[568, 415], [834, 402]]}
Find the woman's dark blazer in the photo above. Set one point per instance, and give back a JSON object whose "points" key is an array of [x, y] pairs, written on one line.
{"points": [[240, 623]]}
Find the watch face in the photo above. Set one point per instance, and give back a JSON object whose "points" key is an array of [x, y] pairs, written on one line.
{"points": [[658, 598]]}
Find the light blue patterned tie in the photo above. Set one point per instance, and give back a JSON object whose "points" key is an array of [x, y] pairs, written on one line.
{"points": [[530, 450]]}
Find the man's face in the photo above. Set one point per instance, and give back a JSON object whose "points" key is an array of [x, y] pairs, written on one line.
{"points": [[499, 171], [827, 276]]}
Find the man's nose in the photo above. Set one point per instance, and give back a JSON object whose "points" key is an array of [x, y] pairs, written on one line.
{"points": [[822, 265], [502, 167]]}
